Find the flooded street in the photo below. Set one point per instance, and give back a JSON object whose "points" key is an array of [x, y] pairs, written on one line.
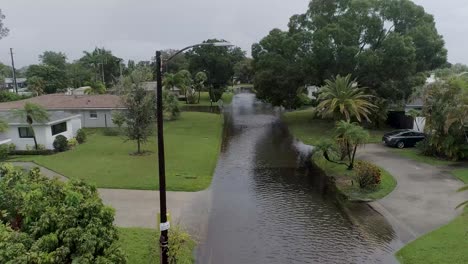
{"points": [[267, 206]]}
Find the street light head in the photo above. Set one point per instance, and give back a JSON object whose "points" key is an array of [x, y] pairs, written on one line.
{"points": [[222, 44]]}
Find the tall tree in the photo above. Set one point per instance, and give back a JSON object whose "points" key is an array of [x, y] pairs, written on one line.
{"points": [[78, 74], [342, 98], [243, 71], [217, 62], [55, 79], [32, 113], [385, 43], [139, 115], [105, 65], [36, 85], [278, 72], [3, 29], [199, 83], [96, 88], [51, 58]]}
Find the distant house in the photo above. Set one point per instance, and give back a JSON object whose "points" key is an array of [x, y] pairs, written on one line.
{"points": [[77, 91], [312, 91], [19, 133], [10, 85], [94, 110], [418, 104]]}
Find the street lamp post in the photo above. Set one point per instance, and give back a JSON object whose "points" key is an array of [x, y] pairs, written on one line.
{"points": [[164, 224]]}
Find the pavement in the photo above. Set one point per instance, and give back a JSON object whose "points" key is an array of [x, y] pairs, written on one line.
{"points": [[425, 196]]}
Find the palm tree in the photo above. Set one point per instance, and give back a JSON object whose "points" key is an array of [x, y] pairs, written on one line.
{"points": [[32, 113], [184, 78], [200, 79], [341, 97], [170, 81], [36, 85], [350, 136], [96, 88]]}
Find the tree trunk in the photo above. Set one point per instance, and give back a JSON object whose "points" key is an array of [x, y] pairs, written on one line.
{"points": [[138, 144], [34, 136], [199, 95], [351, 164]]}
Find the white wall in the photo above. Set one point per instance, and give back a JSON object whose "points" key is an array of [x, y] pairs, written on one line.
{"points": [[43, 134], [419, 124], [104, 118]]}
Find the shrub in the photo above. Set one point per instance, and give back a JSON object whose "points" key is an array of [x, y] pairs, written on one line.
{"points": [[4, 150], [81, 136], [32, 152], [39, 223], [40, 147], [171, 107], [111, 132], [368, 175], [72, 142], [11, 147], [60, 143]]}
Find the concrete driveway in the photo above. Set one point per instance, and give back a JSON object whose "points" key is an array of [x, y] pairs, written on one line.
{"points": [[425, 197]]}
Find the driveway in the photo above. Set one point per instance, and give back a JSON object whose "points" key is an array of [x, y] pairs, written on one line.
{"points": [[424, 199]]}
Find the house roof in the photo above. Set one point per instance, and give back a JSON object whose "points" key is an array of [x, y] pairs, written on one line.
{"points": [[67, 102], [54, 117]]}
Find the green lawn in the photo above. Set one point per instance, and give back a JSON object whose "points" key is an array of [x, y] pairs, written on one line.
{"points": [[141, 245], [448, 244], [311, 131], [352, 191], [461, 174], [192, 147], [412, 153]]}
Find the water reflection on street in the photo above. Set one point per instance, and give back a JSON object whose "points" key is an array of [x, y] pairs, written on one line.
{"points": [[268, 207]]}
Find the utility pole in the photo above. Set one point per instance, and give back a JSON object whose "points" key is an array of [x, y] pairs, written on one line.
{"points": [[14, 71]]}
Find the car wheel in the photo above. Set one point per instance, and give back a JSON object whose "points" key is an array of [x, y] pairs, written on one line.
{"points": [[400, 145]]}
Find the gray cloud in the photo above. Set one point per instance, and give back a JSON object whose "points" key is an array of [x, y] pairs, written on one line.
{"points": [[135, 29]]}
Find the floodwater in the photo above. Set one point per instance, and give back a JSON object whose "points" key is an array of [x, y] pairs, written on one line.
{"points": [[269, 206]]}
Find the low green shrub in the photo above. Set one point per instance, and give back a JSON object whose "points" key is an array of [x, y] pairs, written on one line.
{"points": [[32, 152], [111, 132], [4, 150], [33, 147], [11, 147], [60, 143], [72, 142], [39, 223], [81, 136], [368, 175]]}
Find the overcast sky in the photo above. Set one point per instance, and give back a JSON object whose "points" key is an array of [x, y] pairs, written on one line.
{"points": [[134, 29]]}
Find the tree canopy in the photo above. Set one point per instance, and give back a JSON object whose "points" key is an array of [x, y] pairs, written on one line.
{"points": [[217, 62], [52, 58], [3, 29], [385, 44]]}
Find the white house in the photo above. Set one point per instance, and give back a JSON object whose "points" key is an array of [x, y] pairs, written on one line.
{"points": [[10, 84], [312, 91], [94, 110], [19, 133]]}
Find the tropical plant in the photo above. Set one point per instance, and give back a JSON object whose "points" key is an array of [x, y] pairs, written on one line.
{"points": [[171, 81], [341, 98], [36, 85], [32, 113], [185, 82], [445, 109], [96, 88], [47, 221], [199, 83], [348, 137]]}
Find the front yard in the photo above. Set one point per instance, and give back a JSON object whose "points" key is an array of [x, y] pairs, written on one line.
{"points": [[311, 131], [192, 148]]}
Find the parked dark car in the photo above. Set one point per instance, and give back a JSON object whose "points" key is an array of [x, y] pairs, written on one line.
{"points": [[403, 138]]}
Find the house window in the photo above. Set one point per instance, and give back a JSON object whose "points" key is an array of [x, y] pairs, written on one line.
{"points": [[92, 114], [25, 132], [59, 128]]}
